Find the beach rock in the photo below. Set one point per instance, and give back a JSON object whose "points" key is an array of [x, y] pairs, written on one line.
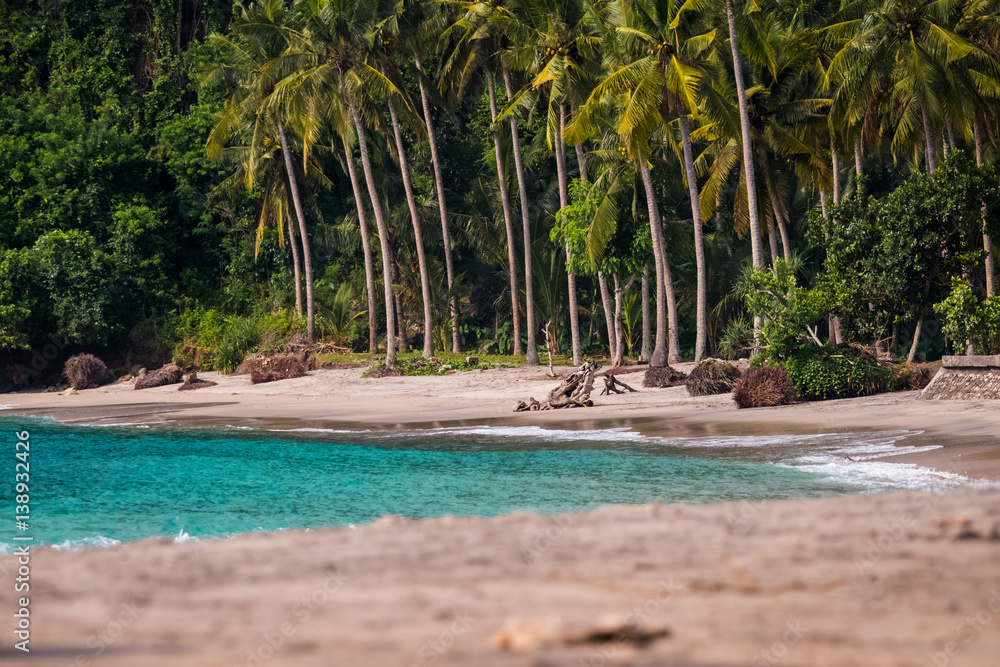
{"points": [[70, 392]]}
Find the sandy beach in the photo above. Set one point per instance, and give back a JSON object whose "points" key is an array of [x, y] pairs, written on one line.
{"points": [[887, 579], [968, 431]]}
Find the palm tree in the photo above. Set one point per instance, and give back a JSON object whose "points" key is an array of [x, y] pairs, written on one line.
{"points": [[330, 72], [556, 51], [261, 36], [748, 175], [660, 62], [365, 246]]}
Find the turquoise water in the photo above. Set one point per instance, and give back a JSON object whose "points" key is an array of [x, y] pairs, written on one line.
{"points": [[101, 485]]}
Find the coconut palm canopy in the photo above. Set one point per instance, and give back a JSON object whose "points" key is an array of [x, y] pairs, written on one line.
{"points": [[598, 178]]}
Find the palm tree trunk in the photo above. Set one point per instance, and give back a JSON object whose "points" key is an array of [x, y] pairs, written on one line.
{"points": [[987, 241], [307, 255], [574, 315], [666, 305], [931, 157], [508, 220], [734, 45], [772, 239], [442, 208], [296, 271], [779, 218], [647, 325], [531, 353], [835, 160], [418, 237], [920, 325], [701, 335], [618, 353], [383, 237], [366, 249], [580, 163], [858, 155], [602, 282]]}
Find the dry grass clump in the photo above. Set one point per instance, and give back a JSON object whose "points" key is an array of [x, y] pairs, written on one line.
{"points": [[167, 374], [192, 381], [273, 367], [763, 388], [663, 376], [382, 371], [712, 377], [85, 371]]}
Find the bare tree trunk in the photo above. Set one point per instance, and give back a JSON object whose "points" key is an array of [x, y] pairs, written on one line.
{"points": [[418, 237], [366, 249], [608, 318], [734, 45], [772, 240], [916, 340], [701, 310], [442, 208], [647, 328], [307, 255], [665, 303], [618, 352], [822, 204], [296, 271], [987, 241], [779, 219], [931, 156], [383, 236], [574, 314], [531, 353], [508, 220]]}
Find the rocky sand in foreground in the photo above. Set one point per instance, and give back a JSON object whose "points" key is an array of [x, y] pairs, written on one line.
{"points": [[900, 579]]}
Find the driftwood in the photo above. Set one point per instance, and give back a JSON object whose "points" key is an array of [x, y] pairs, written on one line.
{"points": [[574, 392], [192, 381], [613, 384]]}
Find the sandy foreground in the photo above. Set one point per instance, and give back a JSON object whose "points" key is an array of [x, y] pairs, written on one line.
{"points": [[900, 579], [894, 579]]}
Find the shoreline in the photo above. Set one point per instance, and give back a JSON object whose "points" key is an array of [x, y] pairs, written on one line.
{"points": [[968, 432]]}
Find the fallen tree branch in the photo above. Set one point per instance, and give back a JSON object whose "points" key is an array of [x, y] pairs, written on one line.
{"points": [[613, 384], [573, 392]]}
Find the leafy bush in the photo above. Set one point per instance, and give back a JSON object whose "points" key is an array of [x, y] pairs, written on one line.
{"points": [[712, 377], [663, 376], [85, 371], [240, 338], [967, 317], [911, 377], [764, 387], [821, 373]]}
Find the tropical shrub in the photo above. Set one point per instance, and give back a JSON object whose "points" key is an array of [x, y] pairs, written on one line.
{"points": [[826, 372], [240, 338], [967, 317], [764, 387]]}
